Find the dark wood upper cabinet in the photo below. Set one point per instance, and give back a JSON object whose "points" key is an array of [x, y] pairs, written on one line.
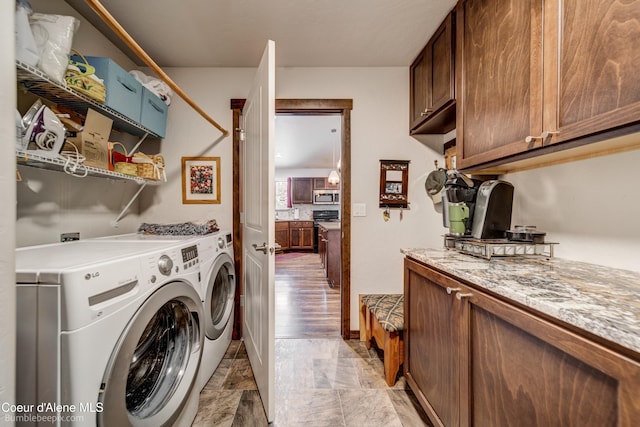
{"points": [[533, 74], [594, 54], [302, 190], [499, 72], [432, 83], [324, 184]]}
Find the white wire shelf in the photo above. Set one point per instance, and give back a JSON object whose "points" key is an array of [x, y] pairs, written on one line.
{"points": [[35, 81], [33, 159]]}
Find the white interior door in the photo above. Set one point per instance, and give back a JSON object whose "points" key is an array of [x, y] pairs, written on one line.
{"points": [[258, 184]]}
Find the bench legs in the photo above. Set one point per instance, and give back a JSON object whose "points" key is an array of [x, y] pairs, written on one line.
{"points": [[389, 342]]}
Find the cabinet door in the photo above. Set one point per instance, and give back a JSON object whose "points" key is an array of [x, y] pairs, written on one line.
{"points": [[432, 83], [302, 190], [431, 358], [301, 234], [594, 53], [525, 371], [282, 234], [322, 248], [499, 78], [419, 91]]}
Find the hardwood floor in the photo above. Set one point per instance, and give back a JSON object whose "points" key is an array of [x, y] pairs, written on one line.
{"points": [[306, 307]]}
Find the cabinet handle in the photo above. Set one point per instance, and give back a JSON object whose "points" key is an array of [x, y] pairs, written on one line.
{"points": [[460, 295], [451, 290], [426, 112], [544, 135]]}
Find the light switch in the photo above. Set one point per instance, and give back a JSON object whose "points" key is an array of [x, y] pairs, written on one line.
{"points": [[359, 209]]}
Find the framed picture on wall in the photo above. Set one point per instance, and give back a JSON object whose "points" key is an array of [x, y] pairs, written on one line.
{"points": [[200, 180], [394, 180]]}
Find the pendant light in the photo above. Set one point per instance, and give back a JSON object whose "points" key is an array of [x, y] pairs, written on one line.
{"points": [[334, 178]]}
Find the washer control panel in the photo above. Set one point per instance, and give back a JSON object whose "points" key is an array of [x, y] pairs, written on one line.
{"points": [[165, 265]]}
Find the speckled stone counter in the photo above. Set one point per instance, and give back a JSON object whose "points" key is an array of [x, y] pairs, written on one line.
{"points": [[601, 300], [329, 225]]}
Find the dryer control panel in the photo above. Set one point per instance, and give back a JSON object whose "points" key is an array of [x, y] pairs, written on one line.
{"points": [[189, 256]]}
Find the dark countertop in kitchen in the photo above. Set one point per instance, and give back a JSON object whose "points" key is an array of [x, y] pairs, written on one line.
{"points": [[600, 300]]}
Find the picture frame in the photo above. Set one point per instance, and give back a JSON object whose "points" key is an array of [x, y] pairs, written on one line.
{"points": [[394, 179], [201, 180]]}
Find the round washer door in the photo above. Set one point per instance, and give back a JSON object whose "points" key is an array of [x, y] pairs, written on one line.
{"points": [[152, 370], [219, 294]]}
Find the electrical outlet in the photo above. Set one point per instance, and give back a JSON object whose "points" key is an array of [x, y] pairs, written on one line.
{"points": [[69, 237]]}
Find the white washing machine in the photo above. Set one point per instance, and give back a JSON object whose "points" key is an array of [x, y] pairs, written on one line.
{"points": [[218, 287], [109, 333]]}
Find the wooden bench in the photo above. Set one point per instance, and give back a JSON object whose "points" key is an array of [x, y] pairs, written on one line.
{"points": [[382, 318]]}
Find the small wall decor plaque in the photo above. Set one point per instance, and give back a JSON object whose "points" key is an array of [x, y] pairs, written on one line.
{"points": [[394, 179]]}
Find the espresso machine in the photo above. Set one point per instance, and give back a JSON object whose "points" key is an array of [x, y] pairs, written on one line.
{"points": [[477, 209], [492, 216], [459, 203]]}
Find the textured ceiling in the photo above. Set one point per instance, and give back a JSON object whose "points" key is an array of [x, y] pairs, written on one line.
{"points": [[308, 33]]}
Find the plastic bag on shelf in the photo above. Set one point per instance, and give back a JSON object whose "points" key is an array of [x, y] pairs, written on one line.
{"points": [[54, 36], [157, 86], [26, 46]]}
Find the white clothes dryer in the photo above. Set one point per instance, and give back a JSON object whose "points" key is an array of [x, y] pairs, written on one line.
{"points": [[218, 287], [109, 333]]}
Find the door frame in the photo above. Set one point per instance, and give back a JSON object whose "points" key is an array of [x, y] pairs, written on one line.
{"points": [[301, 107]]}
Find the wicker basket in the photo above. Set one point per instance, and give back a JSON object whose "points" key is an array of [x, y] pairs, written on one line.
{"points": [[149, 167], [126, 168]]}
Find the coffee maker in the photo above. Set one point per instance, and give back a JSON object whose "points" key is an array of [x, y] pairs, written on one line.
{"points": [[458, 209], [477, 209], [493, 206]]}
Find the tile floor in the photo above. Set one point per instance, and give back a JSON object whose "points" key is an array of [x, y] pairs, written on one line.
{"points": [[319, 382]]}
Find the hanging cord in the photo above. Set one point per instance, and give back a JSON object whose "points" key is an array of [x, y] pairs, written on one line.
{"points": [[45, 140], [74, 161]]}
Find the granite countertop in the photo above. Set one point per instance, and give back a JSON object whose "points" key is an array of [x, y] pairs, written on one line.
{"points": [[329, 225], [600, 300]]}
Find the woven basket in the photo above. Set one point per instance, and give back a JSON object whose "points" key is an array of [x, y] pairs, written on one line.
{"points": [[126, 168], [149, 167]]}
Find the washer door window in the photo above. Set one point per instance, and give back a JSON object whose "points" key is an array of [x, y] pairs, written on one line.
{"points": [[151, 372], [219, 294]]}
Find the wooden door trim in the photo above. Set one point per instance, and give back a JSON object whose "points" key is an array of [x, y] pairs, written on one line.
{"points": [[301, 107]]}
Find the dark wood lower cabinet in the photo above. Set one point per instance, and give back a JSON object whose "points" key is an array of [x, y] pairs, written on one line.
{"points": [[475, 360], [282, 234]]}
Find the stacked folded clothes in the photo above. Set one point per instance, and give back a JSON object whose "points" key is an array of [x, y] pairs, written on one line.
{"points": [[181, 229]]}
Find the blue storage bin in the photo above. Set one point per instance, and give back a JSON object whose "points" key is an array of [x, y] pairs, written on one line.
{"points": [[124, 92], [154, 113]]}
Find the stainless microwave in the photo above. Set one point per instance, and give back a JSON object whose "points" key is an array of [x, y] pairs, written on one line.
{"points": [[326, 197]]}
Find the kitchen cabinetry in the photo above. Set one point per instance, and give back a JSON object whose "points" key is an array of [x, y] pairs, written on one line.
{"points": [[301, 234], [474, 359], [301, 190], [282, 234], [432, 83], [324, 184], [529, 76], [329, 238], [322, 247]]}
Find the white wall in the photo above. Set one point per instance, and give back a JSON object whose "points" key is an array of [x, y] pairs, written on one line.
{"points": [[51, 203], [8, 211], [379, 130], [188, 134], [591, 207]]}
